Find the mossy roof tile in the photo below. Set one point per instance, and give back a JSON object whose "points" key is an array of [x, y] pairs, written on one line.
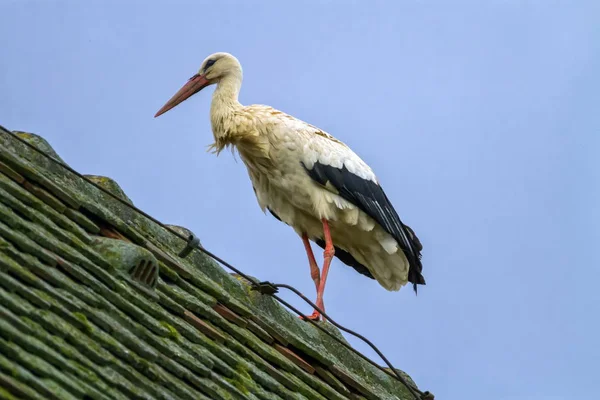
{"points": [[12, 389], [73, 324]]}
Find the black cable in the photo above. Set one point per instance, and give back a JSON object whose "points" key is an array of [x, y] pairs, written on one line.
{"points": [[355, 334], [255, 285]]}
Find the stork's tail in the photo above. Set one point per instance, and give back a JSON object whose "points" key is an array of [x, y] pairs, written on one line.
{"points": [[414, 272]]}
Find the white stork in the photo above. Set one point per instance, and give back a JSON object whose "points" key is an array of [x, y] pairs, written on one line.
{"points": [[311, 181]]}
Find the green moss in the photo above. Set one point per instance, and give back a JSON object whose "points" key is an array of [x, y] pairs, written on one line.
{"points": [[46, 297], [173, 333], [242, 370], [83, 319], [144, 366], [40, 143], [85, 373], [110, 185], [239, 380], [167, 273], [238, 384], [6, 395]]}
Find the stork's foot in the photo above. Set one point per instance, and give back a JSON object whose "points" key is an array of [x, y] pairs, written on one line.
{"points": [[315, 316]]}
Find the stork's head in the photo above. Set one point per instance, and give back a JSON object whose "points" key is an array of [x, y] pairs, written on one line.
{"points": [[214, 68]]}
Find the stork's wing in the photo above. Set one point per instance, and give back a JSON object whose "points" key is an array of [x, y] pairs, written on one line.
{"points": [[327, 160]]}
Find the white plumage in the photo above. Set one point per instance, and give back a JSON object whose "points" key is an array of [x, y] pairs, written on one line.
{"points": [[309, 180]]}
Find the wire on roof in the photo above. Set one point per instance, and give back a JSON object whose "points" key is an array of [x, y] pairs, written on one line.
{"points": [[266, 288]]}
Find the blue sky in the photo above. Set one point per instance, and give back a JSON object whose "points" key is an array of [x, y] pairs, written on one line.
{"points": [[481, 122]]}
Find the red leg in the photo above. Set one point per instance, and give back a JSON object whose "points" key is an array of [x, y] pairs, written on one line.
{"points": [[314, 269], [327, 257]]}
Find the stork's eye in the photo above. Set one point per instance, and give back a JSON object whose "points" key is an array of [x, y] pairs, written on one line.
{"points": [[209, 64]]}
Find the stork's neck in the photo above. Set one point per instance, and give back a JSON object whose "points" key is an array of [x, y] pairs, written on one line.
{"points": [[224, 102]]}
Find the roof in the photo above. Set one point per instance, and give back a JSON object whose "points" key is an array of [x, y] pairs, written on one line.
{"points": [[96, 304]]}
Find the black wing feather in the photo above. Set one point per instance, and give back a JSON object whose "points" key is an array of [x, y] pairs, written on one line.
{"points": [[371, 199]]}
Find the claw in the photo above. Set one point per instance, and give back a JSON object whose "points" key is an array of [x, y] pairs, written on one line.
{"points": [[315, 316]]}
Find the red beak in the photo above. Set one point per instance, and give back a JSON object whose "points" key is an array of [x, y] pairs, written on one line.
{"points": [[193, 86]]}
